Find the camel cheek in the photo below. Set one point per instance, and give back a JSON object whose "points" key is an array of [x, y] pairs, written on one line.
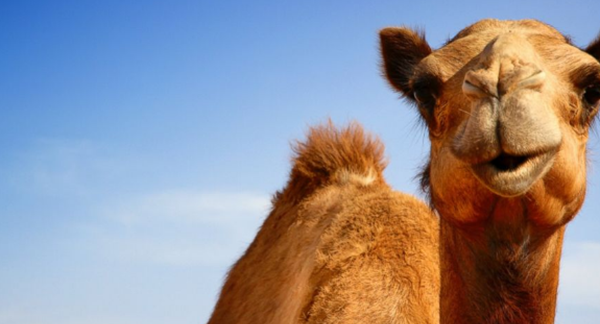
{"points": [[560, 194], [455, 191]]}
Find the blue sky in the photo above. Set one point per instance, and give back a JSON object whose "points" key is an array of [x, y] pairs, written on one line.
{"points": [[140, 141]]}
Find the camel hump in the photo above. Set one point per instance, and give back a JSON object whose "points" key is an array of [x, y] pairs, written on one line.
{"points": [[344, 155]]}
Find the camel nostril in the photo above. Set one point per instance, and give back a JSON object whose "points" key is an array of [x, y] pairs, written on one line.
{"points": [[479, 85], [471, 90], [505, 162], [536, 80]]}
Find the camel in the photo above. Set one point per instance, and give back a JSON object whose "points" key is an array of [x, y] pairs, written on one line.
{"points": [[508, 106]]}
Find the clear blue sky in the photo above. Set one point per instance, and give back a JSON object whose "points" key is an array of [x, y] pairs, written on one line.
{"points": [[140, 141]]}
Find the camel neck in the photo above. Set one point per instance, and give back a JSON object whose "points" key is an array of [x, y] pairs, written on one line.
{"points": [[498, 275]]}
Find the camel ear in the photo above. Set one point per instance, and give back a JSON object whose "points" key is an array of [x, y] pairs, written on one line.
{"points": [[594, 48], [402, 49]]}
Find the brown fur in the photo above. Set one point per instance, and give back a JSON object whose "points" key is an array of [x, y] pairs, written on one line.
{"points": [[501, 236], [339, 246]]}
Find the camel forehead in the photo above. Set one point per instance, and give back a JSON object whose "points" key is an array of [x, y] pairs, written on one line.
{"points": [[491, 27], [471, 41]]}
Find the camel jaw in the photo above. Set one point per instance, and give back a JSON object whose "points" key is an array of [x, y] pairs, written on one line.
{"points": [[511, 176]]}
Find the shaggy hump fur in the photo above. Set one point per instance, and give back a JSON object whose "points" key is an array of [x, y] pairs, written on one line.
{"points": [[328, 150], [339, 245], [332, 155]]}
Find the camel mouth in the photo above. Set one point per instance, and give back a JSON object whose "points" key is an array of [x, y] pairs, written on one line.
{"points": [[510, 175], [506, 162]]}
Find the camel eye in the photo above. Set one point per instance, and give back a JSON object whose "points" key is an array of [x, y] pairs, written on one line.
{"points": [[425, 98], [426, 90], [591, 95]]}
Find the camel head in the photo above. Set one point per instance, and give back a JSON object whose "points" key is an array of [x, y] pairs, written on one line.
{"points": [[508, 106]]}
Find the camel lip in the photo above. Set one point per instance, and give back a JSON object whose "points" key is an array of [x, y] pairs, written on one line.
{"points": [[509, 176]]}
